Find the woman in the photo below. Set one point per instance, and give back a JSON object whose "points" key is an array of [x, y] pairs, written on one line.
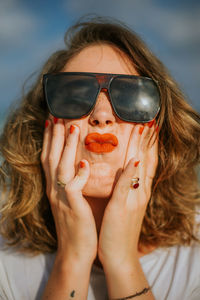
{"points": [[105, 196]]}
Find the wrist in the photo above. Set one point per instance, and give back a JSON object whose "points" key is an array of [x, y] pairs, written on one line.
{"points": [[123, 266], [68, 277], [65, 263], [126, 280]]}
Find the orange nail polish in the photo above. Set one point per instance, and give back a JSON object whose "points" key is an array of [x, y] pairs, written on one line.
{"points": [[72, 127], [141, 129], [46, 123], [157, 128], [136, 163], [82, 164], [150, 124], [55, 120]]}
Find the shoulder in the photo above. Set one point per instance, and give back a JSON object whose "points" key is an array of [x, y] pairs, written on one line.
{"points": [[187, 269], [188, 256], [181, 258], [169, 268], [22, 274], [11, 257]]}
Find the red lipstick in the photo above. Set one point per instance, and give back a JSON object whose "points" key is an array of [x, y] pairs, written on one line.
{"points": [[101, 143]]}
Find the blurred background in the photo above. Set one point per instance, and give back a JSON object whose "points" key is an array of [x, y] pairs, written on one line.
{"points": [[30, 30]]}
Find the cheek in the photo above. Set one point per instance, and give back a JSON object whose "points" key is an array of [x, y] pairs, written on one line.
{"points": [[77, 122], [125, 132]]}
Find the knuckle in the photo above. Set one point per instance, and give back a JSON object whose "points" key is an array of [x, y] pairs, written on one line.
{"points": [[51, 158], [123, 189], [44, 164], [55, 133], [51, 195], [143, 147], [69, 189], [61, 173], [42, 157], [68, 143]]}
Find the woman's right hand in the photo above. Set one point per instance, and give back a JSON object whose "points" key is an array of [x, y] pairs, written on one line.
{"points": [[74, 221]]}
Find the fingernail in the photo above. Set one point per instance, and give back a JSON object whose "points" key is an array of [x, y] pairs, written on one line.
{"points": [[141, 129], [55, 120], [46, 123], [82, 164], [136, 163], [72, 127], [157, 128], [150, 124]]}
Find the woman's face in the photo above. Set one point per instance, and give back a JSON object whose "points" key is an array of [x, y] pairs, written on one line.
{"points": [[104, 166]]}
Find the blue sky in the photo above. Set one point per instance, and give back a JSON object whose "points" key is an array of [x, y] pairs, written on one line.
{"points": [[31, 30]]}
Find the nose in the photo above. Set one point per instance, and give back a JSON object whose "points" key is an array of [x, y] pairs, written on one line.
{"points": [[102, 114]]}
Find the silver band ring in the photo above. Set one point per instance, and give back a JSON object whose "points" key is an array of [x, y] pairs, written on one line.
{"points": [[60, 183], [135, 182]]}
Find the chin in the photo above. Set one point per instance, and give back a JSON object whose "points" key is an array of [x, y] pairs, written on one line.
{"points": [[102, 180], [98, 190]]}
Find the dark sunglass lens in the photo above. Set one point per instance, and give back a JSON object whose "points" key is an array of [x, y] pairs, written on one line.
{"points": [[135, 99], [71, 96]]}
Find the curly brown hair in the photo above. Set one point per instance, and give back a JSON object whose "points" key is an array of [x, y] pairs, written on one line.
{"points": [[26, 218]]}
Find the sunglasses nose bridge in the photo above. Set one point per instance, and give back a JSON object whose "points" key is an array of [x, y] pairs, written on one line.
{"points": [[104, 85], [103, 81], [103, 90]]}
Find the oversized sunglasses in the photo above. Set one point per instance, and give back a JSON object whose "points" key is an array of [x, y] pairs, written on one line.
{"points": [[72, 95]]}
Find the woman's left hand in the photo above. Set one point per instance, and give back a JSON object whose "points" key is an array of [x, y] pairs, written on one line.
{"points": [[123, 217]]}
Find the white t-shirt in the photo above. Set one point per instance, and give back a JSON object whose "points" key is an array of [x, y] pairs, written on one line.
{"points": [[173, 274]]}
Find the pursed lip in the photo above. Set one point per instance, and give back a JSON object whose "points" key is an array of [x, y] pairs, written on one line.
{"points": [[101, 143]]}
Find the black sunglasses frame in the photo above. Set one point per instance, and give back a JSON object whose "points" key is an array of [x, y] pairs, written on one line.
{"points": [[104, 81]]}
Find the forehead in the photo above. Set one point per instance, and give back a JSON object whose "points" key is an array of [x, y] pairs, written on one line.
{"points": [[101, 58]]}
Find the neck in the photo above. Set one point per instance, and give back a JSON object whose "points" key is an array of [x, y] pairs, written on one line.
{"points": [[98, 206]]}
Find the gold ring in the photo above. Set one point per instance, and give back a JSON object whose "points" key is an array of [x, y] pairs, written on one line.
{"points": [[135, 182], [60, 183]]}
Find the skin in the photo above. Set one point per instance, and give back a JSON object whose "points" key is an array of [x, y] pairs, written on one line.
{"points": [[103, 168], [97, 215]]}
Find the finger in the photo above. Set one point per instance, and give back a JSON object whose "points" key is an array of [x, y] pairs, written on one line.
{"points": [[74, 188], [142, 154], [66, 168], [148, 156], [123, 185], [144, 138], [148, 138], [152, 163], [154, 134], [152, 147], [56, 148], [132, 149], [45, 153]]}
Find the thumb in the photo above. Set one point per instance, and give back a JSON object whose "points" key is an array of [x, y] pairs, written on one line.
{"points": [[74, 187]]}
